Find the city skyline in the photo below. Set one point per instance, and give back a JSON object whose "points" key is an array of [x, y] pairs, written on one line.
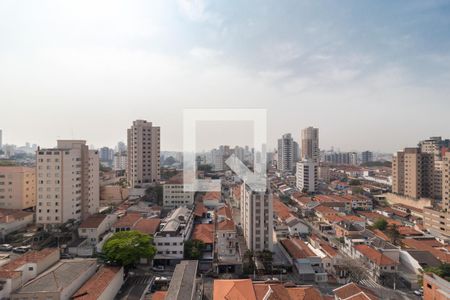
{"points": [[114, 63]]}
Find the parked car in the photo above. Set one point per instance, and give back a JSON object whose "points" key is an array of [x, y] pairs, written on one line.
{"points": [[418, 293], [6, 247], [158, 268], [66, 256], [21, 249]]}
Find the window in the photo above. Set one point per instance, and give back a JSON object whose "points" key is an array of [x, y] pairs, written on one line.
{"points": [[30, 268]]}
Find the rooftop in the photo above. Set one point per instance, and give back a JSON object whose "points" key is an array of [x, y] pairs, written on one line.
{"points": [[204, 233], [59, 277], [93, 221], [94, 287], [129, 220], [147, 226], [350, 290], [8, 270], [375, 256], [183, 280]]}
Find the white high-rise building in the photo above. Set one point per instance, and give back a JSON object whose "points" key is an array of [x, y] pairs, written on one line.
{"points": [[120, 161], [67, 182], [1, 139], [307, 175], [310, 144], [257, 219], [285, 162], [143, 153]]}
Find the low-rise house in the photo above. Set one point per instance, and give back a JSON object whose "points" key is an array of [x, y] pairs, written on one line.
{"points": [[353, 291], [238, 289], [227, 246], [205, 234], [175, 229], [345, 228], [60, 282], [184, 283], [322, 212], [97, 229], [435, 287], [413, 262], [380, 266], [12, 220], [212, 199], [307, 262], [104, 285], [431, 245], [296, 226], [17, 272]]}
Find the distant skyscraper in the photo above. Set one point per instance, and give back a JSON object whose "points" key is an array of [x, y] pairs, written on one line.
{"points": [[121, 147], [285, 162], [307, 176], [143, 153], [1, 139], [67, 182], [366, 157], [297, 154], [106, 154], [257, 219], [446, 182], [310, 144]]}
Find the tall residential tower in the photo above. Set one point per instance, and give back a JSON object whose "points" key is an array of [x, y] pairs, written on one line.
{"points": [[143, 141]]}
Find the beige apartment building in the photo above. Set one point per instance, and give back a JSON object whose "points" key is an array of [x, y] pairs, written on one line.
{"points": [[143, 153], [257, 219], [17, 187], [67, 182], [310, 144], [413, 174], [437, 220]]}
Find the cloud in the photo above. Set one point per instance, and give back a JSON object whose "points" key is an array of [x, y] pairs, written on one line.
{"points": [[196, 11]]}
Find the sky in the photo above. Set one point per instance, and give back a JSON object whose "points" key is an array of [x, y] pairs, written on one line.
{"points": [[370, 74]]}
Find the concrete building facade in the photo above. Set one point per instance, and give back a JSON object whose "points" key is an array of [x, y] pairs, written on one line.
{"points": [[17, 187], [143, 153], [257, 219], [285, 162], [307, 176], [67, 182], [310, 144]]}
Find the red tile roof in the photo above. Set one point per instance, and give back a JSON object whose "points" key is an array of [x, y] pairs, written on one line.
{"points": [[204, 233], [375, 256], [8, 269], [225, 211], [92, 221], [297, 248], [159, 295], [200, 209], [226, 225], [147, 226], [129, 220], [325, 210], [212, 196], [280, 209], [351, 290], [96, 285]]}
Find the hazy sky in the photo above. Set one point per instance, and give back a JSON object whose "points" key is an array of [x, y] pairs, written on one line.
{"points": [[370, 74]]}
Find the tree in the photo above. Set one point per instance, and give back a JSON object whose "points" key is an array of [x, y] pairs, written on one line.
{"points": [[193, 249], [393, 233], [354, 182], [354, 268], [154, 194], [266, 258], [380, 224], [248, 262], [442, 271], [127, 247]]}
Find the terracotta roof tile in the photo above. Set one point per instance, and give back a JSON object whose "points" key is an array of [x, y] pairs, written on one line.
{"points": [[204, 233], [147, 226], [375, 256], [96, 285]]}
